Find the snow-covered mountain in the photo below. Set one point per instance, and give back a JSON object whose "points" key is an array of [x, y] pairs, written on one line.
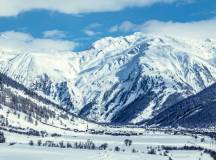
{"points": [[197, 111], [119, 80]]}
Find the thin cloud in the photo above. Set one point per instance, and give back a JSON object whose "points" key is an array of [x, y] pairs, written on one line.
{"points": [[90, 30], [56, 34], [196, 29], [23, 42], [15, 7], [126, 26]]}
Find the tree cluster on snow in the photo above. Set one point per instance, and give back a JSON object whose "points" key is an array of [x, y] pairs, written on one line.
{"points": [[212, 153], [128, 142], [89, 144], [2, 138]]}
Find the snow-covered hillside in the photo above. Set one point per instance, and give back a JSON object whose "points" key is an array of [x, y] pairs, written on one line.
{"points": [[121, 80], [24, 112]]}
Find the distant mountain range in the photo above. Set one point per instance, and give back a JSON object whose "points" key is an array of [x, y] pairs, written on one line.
{"points": [[134, 79]]}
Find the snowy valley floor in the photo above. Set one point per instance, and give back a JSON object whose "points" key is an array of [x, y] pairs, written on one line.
{"points": [[139, 150], [20, 152]]}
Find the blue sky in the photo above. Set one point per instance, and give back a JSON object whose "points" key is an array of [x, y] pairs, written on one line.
{"points": [[85, 27]]}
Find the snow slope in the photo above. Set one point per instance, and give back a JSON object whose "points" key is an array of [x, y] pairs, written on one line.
{"points": [[120, 80]]}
